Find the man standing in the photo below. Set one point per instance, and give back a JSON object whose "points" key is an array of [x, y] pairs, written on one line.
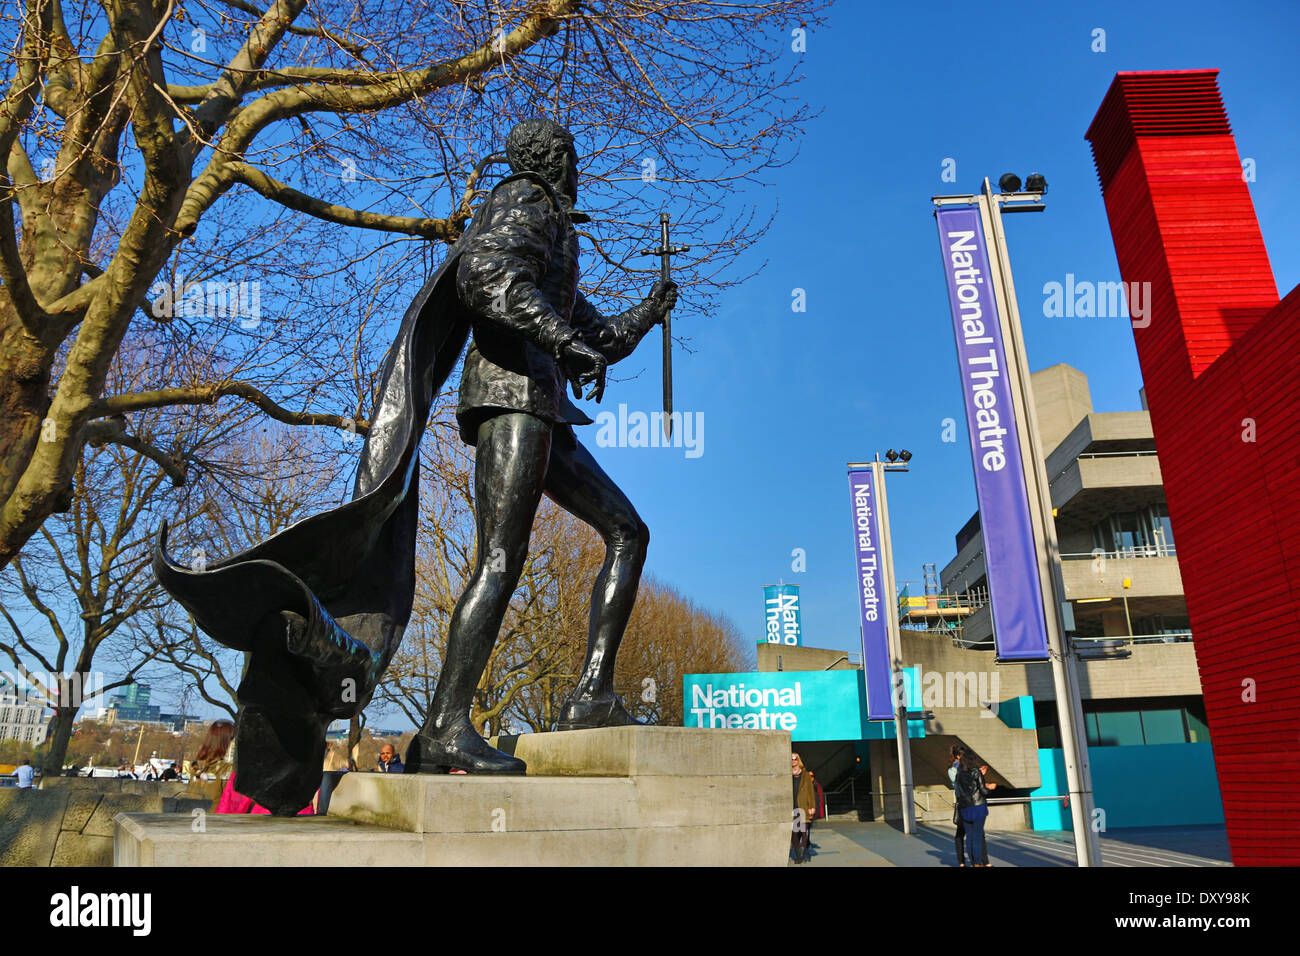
{"points": [[25, 775], [388, 762], [533, 332]]}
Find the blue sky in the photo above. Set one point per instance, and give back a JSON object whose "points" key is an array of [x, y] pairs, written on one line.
{"points": [[788, 398]]}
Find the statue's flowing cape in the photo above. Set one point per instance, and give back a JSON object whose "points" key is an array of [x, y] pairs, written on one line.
{"points": [[322, 606]]}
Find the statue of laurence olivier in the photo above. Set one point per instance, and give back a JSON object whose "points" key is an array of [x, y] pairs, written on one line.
{"points": [[322, 606]]}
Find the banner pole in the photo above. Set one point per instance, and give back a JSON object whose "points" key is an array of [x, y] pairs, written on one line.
{"points": [[1065, 677], [895, 651]]}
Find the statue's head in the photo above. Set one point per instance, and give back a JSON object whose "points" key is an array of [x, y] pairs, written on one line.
{"points": [[545, 147]]}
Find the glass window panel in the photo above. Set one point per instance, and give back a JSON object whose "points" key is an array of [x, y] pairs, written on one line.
{"points": [[1163, 726], [1197, 730], [1090, 722], [1119, 729]]}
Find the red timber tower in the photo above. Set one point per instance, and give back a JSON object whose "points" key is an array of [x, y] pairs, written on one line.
{"points": [[1221, 367]]}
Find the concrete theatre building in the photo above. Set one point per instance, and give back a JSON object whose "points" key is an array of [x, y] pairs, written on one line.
{"points": [[1150, 756], [1147, 734]]}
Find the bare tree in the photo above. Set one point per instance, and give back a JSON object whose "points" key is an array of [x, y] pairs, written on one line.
{"points": [[189, 163], [81, 592], [82, 579]]}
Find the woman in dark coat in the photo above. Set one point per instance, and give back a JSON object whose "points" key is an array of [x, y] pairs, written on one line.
{"points": [[805, 807], [972, 804]]}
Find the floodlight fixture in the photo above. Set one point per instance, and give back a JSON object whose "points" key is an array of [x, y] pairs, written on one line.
{"points": [[1009, 183], [891, 455], [905, 455], [1036, 183]]}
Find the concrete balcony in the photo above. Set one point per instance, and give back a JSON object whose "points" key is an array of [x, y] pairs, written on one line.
{"points": [[1090, 488], [1086, 577], [978, 628]]}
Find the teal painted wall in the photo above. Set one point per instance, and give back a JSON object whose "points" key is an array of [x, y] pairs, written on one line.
{"points": [[1141, 786], [1018, 712]]}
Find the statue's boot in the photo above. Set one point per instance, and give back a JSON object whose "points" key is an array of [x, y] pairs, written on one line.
{"points": [[304, 673], [337, 671], [458, 747], [588, 713]]}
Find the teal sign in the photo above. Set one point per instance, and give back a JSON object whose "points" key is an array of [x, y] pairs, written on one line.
{"points": [[811, 705], [782, 614]]}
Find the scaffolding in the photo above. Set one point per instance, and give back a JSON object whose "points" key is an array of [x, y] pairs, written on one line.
{"points": [[934, 612]]}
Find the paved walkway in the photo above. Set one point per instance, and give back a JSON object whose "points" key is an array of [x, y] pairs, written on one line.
{"points": [[844, 843]]}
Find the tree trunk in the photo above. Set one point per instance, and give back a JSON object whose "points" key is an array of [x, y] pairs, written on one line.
{"points": [[57, 741]]}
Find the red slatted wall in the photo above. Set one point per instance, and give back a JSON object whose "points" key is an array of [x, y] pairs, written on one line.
{"points": [[1219, 349]]}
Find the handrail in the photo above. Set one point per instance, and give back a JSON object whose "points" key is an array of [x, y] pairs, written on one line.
{"points": [[1117, 454], [1100, 454], [1145, 551], [1175, 637]]}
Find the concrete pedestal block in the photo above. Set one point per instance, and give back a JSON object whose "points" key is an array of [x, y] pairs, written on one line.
{"points": [[627, 796], [74, 826], [246, 839]]}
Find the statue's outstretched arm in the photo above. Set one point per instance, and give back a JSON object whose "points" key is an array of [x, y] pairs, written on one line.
{"points": [[616, 336]]}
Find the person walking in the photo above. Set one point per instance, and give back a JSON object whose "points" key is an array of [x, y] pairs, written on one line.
{"points": [[805, 808], [972, 803], [954, 764]]}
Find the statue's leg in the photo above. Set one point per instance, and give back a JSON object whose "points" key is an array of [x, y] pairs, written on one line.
{"points": [[509, 469], [580, 486]]}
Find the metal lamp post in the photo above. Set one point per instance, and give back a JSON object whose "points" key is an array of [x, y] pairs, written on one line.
{"points": [[1063, 657], [878, 469]]}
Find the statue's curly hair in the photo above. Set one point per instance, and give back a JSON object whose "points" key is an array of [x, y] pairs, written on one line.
{"points": [[538, 144]]}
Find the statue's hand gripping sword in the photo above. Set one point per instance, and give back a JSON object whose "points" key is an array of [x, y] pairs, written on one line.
{"points": [[665, 252]]}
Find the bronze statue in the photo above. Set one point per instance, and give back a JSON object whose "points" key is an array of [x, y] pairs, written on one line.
{"points": [[322, 606]]}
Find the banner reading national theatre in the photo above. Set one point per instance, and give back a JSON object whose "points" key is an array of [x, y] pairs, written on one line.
{"points": [[873, 602], [1011, 558]]}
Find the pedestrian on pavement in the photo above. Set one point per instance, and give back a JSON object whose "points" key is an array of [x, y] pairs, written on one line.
{"points": [[972, 803], [805, 808], [954, 764], [25, 775], [336, 765]]}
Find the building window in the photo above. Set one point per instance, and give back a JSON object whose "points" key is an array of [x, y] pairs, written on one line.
{"points": [[1164, 726], [1115, 729], [1127, 723], [1146, 532]]}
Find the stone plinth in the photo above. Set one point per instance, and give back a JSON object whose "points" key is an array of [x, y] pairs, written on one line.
{"points": [[627, 796], [67, 826], [247, 839]]}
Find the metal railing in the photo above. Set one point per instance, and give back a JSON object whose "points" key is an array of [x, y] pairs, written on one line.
{"points": [[1100, 454], [1174, 637], [1143, 551], [1117, 454]]}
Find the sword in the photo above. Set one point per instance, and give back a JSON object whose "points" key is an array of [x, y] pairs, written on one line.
{"points": [[665, 252]]}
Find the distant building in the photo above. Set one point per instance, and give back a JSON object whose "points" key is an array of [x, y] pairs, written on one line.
{"points": [[21, 719], [131, 705]]}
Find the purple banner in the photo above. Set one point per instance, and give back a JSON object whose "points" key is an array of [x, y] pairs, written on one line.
{"points": [[873, 603], [1011, 559]]}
